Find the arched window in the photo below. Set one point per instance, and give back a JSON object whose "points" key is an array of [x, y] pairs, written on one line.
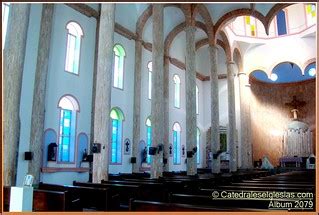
{"points": [[197, 97], [311, 14], [281, 23], [198, 144], [250, 24], [118, 69], [5, 16], [150, 69], [68, 108], [117, 118], [177, 143], [148, 137], [72, 59], [177, 91]]}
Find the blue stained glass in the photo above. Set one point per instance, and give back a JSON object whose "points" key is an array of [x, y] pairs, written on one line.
{"points": [[176, 147], [66, 134], [281, 23], [115, 124], [149, 142]]}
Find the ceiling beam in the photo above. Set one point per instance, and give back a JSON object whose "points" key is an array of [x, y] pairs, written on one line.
{"points": [[85, 9]]}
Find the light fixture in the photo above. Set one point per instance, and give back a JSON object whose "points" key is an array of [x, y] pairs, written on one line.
{"points": [[273, 77], [312, 72]]}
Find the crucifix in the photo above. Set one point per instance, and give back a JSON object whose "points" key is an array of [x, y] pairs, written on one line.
{"points": [[295, 104]]}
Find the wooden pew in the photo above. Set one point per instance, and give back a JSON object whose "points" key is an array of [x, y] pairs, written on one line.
{"points": [[140, 205], [43, 200], [100, 199], [262, 184], [46, 200], [124, 191], [207, 200], [257, 188]]}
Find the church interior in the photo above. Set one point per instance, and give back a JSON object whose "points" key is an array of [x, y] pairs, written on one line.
{"points": [[159, 106]]}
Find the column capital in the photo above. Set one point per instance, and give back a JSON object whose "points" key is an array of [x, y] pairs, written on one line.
{"points": [[190, 28], [230, 62], [213, 46], [242, 74]]}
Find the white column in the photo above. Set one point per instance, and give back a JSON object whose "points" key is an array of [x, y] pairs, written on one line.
{"points": [[190, 88], [103, 92], [231, 117], [157, 105], [13, 61], [214, 105]]}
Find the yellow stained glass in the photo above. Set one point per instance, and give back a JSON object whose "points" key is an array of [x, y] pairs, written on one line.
{"points": [[309, 8], [252, 27], [313, 13], [248, 20]]}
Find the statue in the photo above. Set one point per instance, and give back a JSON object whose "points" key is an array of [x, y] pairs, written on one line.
{"points": [[144, 155], [52, 151], [266, 163], [85, 155]]}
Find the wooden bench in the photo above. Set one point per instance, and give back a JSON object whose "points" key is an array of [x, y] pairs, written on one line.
{"points": [[82, 198], [43, 200], [46, 200], [207, 200], [140, 205], [124, 191]]}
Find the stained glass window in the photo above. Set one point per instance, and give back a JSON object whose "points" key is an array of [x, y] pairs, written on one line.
{"points": [[176, 143], [148, 137], [72, 59], [116, 135], [177, 91], [118, 69]]}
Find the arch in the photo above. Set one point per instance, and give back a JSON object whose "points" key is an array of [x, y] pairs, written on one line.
{"points": [[179, 28], [117, 113], [236, 13], [272, 13], [69, 102], [119, 50], [265, 20], [252, 77], [82, 147], [307, 63], [237, 55], [147, 13], [226, 46], [74, 28], [202, 10], [278, 62], [177, 126], [148, 121]]}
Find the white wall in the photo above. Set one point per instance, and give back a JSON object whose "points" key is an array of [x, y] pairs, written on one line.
{"points": [[123, 99], [60, 82]]}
